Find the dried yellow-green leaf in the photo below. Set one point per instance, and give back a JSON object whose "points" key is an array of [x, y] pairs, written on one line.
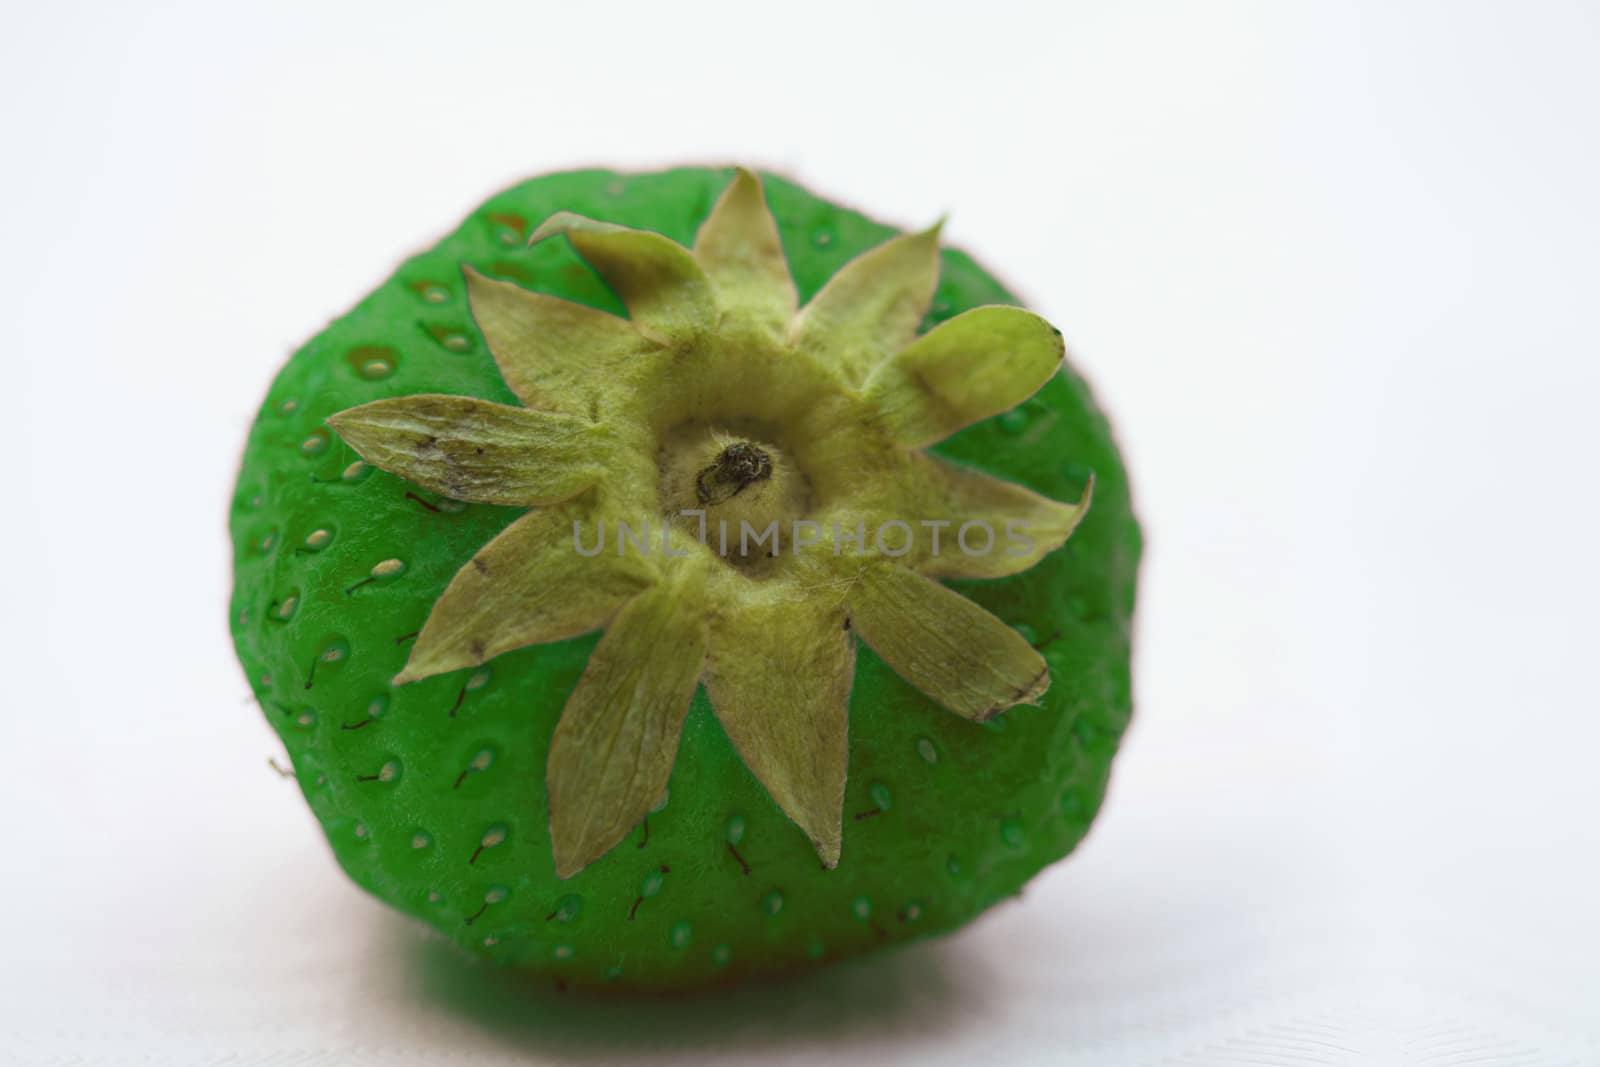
{"points": [[528, 586], [475, 450], [993, 528], [553, 354], [739, 248], [944, 644], [872, 307], [613, 750], [669, 298], [978, 364], [779, 678]]}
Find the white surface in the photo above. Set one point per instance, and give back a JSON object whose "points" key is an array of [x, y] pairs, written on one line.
{"points": [[1332, 269]]}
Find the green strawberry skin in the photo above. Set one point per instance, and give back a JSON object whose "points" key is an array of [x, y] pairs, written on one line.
{"points": [[432, 795]]}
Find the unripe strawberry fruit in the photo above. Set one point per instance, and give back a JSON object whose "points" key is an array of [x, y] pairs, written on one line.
{"points": [[536, 701]]}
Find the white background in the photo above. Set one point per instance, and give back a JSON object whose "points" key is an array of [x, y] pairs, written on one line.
{"points": [[1333, 270]]}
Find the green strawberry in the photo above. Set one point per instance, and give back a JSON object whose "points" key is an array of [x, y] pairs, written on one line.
{"points": [[671, 760]]}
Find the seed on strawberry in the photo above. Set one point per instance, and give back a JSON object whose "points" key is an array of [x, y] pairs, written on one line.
{"points": [[654, 596]]}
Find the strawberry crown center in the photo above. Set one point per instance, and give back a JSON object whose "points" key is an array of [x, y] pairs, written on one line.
{"points": [[738, 494], [736, 468]]}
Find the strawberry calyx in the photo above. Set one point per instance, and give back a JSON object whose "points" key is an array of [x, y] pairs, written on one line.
{"points": [[710, 481]]}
